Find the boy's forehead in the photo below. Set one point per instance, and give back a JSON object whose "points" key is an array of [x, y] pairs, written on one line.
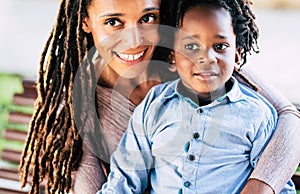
{"points": [[202, 20]]}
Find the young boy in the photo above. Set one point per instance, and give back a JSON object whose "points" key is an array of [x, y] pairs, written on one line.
{"points": [[204, 132]]}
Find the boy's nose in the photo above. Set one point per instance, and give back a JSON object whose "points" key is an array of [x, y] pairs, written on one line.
{"points": [[206, 56]]}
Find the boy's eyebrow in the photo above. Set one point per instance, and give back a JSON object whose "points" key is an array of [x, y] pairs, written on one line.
{"points": [[122, 14], [190, 37], [218, 36]]}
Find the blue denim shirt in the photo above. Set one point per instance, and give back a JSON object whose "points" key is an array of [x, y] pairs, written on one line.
{"points": [[180, 147]]}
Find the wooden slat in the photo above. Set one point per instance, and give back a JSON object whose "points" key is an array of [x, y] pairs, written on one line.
{"points": [[17, 117], [11, 191], [29, 86], [13, 174], [12, 187], [10, 173], [23, 100], [15, 135], [11, 155]]}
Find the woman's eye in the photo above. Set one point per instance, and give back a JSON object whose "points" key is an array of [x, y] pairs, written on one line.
{"points": [[221, 47], [191, 46], [149, 18], [113, 22]]}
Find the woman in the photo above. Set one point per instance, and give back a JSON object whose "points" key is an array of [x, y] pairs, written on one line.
{"points": [[123, 39]]}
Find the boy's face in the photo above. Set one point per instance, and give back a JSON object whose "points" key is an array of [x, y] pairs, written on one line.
{"points": [[205, 49]]}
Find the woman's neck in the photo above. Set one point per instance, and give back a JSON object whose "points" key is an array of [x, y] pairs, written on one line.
{"points": [[135, 89]]}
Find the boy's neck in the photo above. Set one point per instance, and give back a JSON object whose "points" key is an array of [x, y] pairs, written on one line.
{"points": [[201, 99]]}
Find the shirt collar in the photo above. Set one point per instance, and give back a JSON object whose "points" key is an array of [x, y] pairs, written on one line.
{"points": [[234, 95]]}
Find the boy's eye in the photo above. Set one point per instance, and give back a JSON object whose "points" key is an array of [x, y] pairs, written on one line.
{"points": [[113, 22], [221, 46], [149, 18], [192, 46]]}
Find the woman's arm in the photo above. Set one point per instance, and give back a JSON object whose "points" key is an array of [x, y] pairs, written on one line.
{"points": [[90, 177], [281, 157]]}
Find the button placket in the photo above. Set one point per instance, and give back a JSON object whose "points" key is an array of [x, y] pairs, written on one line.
{"points": [[200, 111], [187, 184], [196, 135], [191, 157]]}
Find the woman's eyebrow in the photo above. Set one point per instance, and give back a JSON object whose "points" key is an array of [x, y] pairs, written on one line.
{"points": [[150, 9], [121, 14], [111, 15]]}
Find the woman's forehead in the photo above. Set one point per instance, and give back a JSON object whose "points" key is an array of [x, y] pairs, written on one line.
{"points": [[124, 5]]}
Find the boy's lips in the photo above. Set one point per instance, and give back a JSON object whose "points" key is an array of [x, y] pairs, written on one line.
{"points": [[130, 57], [206, 75]]}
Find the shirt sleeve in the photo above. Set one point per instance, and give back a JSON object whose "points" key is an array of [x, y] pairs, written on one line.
{"points": [[131, 162], [281, 157], [263, 135]]}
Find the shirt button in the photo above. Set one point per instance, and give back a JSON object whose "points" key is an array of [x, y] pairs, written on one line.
{"points": [[192, 157], [186, 183], [200, 111], [196, 135]]}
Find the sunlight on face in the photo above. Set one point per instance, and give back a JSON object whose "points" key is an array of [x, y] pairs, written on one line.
{"points": [[205, 49], [125, 32]]}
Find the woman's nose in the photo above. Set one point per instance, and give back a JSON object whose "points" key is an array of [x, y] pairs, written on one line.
{"points": [[133, 37]]}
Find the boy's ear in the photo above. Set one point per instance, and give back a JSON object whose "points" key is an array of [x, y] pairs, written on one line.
{"points": [[238, 55], [85, 25], [172, 67]]}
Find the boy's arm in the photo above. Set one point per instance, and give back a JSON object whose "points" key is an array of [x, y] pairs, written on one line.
{"points": [[131, 162], [281, 157]]}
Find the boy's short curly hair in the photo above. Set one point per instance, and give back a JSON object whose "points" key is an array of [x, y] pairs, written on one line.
{"points": [[243, 19]]}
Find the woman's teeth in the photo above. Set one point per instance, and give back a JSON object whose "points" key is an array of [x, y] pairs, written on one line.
{"points": [[130, 57]]}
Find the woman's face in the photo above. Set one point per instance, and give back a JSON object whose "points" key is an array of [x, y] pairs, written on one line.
{"points": [[125, 32]]}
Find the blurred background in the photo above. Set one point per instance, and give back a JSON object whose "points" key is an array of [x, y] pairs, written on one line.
{"points": [[26, 24]]}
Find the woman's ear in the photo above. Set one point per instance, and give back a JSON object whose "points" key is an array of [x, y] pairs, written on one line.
{"points": [[172, 67], [85, 25]]}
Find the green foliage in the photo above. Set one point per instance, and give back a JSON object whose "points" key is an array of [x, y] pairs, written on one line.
{"points": [[9, 84]]}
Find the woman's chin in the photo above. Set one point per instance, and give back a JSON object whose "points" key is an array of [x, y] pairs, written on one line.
{"points": [[135, 71]]}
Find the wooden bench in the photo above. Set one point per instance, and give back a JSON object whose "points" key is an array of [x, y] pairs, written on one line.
{"points": [[10, 156]]}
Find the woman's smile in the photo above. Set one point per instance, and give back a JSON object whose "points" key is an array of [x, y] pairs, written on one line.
{"points": [[131, 58]]}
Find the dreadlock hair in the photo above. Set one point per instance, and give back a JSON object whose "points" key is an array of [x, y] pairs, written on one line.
{"points": [[53, 146], [243, 22]]}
